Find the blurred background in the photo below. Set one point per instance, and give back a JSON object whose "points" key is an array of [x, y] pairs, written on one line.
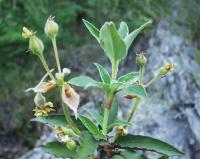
{"points": [[172, 112]]}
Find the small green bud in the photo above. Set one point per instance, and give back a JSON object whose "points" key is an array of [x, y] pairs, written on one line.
{"points": [[36, 45], [71, 144], [51, 28], [39, 100], [141, 59], [69, 132], [166, 69]]}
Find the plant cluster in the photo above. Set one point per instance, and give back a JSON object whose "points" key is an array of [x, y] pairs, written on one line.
{"points": [[98, 135]]}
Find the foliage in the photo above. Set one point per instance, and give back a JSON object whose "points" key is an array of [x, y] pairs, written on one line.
{"points": [[88, 136]]}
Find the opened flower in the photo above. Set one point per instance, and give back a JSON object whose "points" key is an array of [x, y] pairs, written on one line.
{"points": [[70, 98]]}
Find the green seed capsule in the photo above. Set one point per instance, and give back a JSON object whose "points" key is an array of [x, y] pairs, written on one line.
{"points": [[36, 45], [51, 28], [71, 144], [141, 59], [39, 100]]}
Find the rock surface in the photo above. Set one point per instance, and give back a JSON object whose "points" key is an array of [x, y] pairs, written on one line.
{"points": [[172, 111]]}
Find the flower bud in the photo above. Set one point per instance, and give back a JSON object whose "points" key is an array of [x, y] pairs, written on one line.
{"points": [[39, 100], [167, 68], [69, 132], [71, 144], [141, 59], [36, 45], [51, 28], [121, 131]]}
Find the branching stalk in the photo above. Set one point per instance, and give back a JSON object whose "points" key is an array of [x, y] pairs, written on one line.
{"points": [[134, 107], [47, 67], [152, 81]]}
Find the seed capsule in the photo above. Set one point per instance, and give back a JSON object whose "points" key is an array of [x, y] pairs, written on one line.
{"points": [[36, 45], [141, 59], [71, 144], [51, 28]]}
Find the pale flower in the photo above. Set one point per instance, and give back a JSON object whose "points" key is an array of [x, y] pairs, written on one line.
{"points": [[70, 98]]}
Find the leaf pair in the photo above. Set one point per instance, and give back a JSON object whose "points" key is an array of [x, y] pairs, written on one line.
{"points": [[115, 43], [124, 83]]}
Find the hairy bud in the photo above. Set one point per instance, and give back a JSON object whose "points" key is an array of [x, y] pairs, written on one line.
{"points": [[51, 28], [36, 45], [141, 59]]}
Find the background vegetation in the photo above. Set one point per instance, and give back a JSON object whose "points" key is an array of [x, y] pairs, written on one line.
{"points": [[19, 70]]}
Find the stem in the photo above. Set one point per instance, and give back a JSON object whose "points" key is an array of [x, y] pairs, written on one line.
{"points": [[134, 108], [114, 70], [47, 67], [56, 54], [152, 81], [105, 120], [141, 75]]}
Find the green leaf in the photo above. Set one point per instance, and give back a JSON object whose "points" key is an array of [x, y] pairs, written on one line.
{"points": [[105, 77], [130, 38], [81, 81], [96, 116], [123, 30], [135, 90], [87, 147], [163, 157], [117, 157], [100, 85], [129, 77], [112, 43], [57, 120], [132, 154], [92, 29], [147, 143], [118, 123], [57, 149], [89, 124], [52, 120], [113, 111]]}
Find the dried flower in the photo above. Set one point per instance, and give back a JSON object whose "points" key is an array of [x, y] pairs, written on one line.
{"points": [[120, 130], [43, 110], [26, 33], [70, 98], [43, 87], [61, 131], [166, 69], [51, 28]]}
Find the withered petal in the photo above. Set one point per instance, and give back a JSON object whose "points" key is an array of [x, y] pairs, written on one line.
{"points": [[70, 98]]}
